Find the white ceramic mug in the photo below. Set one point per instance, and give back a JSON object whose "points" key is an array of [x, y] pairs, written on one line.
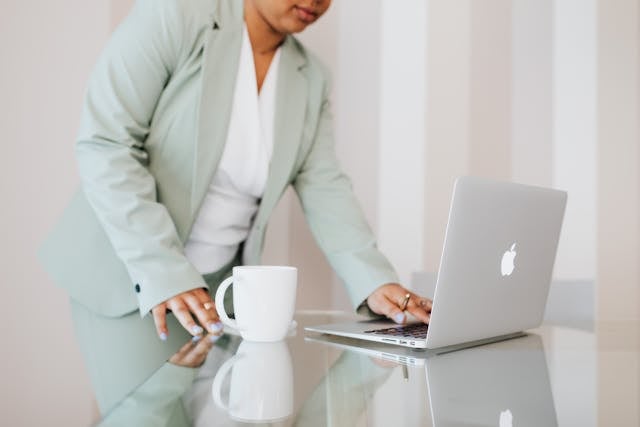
{"points": [[261, 387], [264, 299]]}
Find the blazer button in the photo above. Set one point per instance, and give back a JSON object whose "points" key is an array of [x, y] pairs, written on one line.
{"points": [[137, 288]]}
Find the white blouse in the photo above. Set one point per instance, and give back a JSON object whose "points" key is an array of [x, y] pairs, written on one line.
{"points": [[232, 199]]}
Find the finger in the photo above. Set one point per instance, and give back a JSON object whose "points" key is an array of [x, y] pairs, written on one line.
{"points": [[205, 317], [181, 312], [183, 352], [209, 305], [418, 301], [393, 310], [419, 308], [204, 297], [160, 319], [381, 304], [181, 357], [426, 303], [202, 348], [197, 353]]}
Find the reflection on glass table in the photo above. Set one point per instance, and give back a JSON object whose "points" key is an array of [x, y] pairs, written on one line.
{"points": [[545, 378], [488, 385], [245, 382], [505, 384], [159, 400], [261, 384]]}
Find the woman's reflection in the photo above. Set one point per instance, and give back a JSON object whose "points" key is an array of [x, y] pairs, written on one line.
{"points": [[158, 401], [346, 391], [181, 393], [497, 384]]}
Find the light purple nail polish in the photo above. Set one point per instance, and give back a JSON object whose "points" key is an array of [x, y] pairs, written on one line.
{"points": [[163, 336], [216, 327], [399, 318], [197, 329], [214, 338]]}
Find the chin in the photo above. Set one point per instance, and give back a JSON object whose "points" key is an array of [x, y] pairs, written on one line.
{"points": [[294, 29], [298, 29], [293, 26]]}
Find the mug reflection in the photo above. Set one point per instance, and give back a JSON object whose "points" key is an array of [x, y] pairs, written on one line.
{"points": [[261, 384]]}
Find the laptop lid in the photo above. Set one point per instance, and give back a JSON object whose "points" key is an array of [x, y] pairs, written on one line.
{"points": [[497, 261]]}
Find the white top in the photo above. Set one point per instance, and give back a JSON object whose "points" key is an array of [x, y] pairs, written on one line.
{"points": [[231, 202]]}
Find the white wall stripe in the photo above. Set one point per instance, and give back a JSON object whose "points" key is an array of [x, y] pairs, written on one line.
{"points": [[447, 116], [532, 81], [574, 145], [402, 134]]}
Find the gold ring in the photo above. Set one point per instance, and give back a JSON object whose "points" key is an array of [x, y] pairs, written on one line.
{"points": [[405, 302], [208, 306]]}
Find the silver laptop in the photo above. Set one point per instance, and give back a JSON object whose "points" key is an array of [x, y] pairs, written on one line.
{"points": [[495, 271]]}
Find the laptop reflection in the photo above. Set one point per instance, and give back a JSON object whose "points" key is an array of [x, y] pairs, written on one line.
{"points": [[503, 384]]}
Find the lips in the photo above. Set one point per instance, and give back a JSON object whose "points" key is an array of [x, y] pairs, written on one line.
{"points": [[305, 14]]}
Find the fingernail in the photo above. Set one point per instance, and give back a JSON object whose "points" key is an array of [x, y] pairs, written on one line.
{"points": [[216, 327], [399, 318], [197, 330], [196, 338], [214, 338], [163, 336]]}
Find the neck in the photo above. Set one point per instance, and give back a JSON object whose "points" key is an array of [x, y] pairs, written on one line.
{"points": [[264, 38]]}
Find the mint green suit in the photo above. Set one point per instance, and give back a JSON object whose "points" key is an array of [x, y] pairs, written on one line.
{"points": [[152, 132]]}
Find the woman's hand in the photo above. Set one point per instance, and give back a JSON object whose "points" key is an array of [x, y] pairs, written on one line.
{"points": [[196, 301], [389, 300]]}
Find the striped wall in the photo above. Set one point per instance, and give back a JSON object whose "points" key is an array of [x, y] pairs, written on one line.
{"points": [[505, 89]]}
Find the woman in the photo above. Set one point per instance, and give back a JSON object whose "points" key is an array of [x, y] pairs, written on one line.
{"points": [[198, 116]]}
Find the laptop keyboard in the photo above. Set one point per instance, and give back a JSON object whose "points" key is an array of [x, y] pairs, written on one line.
{"points": [[418, 330]]}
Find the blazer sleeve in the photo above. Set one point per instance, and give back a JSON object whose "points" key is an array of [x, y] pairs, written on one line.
{"points": [[122, 95], [336, 219]]}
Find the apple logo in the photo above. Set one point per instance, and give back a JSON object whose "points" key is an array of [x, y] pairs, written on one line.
{"points": [[507, 265], [506, 419]]}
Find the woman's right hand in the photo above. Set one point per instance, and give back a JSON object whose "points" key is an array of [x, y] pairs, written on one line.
{"points": [[197, 302]]}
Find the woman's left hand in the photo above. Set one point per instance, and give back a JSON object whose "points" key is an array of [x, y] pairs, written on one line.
{"points": [[389, 300]]}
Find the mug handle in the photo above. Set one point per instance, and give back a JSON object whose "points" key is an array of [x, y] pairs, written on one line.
{"points": [[217, 382], [220, 303]]}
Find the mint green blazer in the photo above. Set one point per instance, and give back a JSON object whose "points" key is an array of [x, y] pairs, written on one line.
{"points": [[152, 132]]}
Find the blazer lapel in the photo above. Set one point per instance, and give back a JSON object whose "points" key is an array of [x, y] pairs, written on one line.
{"points": [[220, 67], [291, 105]]}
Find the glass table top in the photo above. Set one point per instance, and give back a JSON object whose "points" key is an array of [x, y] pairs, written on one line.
{"points": [[553, 375]]}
